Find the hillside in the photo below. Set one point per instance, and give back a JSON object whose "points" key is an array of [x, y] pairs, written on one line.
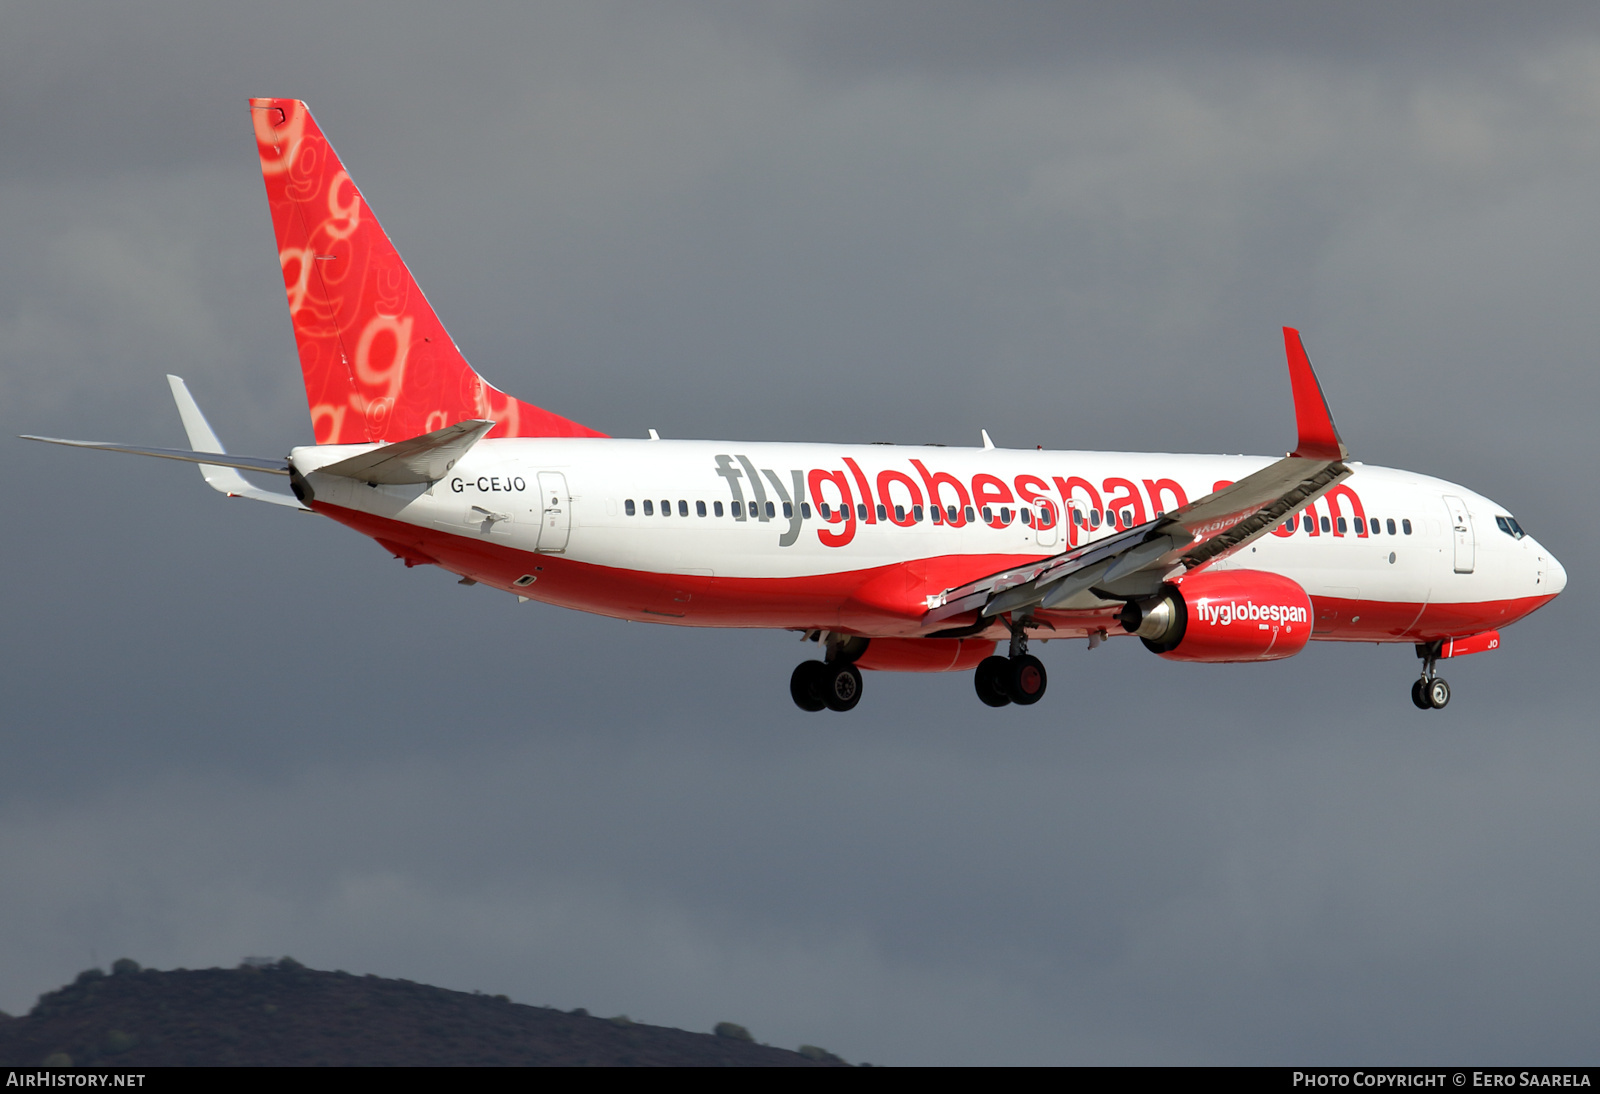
{"points": [[283, 1013]]}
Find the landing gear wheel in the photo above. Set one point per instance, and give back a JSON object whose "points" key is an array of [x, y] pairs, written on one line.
{"points": [[805, 686], [841, 685], [1419, 694], [1025, 679], [1438, 694], [989, 680]]}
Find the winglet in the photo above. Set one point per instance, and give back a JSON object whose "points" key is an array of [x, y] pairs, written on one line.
{"points": [[202, 438], [1319, 437]]}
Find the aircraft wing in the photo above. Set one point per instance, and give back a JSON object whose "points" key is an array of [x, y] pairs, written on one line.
{"points": [[1132, 564]]}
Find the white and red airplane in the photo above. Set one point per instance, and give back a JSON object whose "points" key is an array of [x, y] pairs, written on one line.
{"points": [[898, 559]]}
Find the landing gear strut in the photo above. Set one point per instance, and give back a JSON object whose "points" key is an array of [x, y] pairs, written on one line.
{"points": [[1019, 678], [834, 684], [1430, 692]]}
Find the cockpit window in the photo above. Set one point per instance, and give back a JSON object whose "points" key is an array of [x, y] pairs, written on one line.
{"points": [[1510, 527]]}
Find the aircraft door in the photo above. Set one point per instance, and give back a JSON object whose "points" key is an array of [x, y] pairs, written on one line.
{"points": [[1461, 525], [555, 521], [1045, 533]]}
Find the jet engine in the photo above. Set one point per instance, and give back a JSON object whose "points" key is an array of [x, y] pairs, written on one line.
{"points": [[1223, 615]]}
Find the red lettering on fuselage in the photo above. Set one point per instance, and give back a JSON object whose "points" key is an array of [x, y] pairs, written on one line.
{"points": [[1067, 487], [1333, 497], [898, 514], [1032, 489], [989, 490], [848, 498], [936, 482], [866, 491], [1128, 501], [834, 512], [1157, 487]]}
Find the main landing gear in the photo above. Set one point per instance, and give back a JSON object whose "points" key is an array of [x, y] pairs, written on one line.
{"points": [[834, 684], [1019, 678], [1431, 692]]}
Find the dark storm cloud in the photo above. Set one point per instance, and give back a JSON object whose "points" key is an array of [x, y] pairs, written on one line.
{"points": [[231, 731], [955, 39]]}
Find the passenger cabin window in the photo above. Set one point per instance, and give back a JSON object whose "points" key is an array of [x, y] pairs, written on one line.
{"points": [[1406, 526], [883, 514], [700, 508], [988, 515], [1026, 515], [1305, 522], [971, 516], [716, 507], [1127, 518], [649, 508], [1342, 528], [788, 510], [771, 511], [683, 508], [1390, 523], [1094, 518], [1005, 514], [936, 513], [825, 510], [805, 510], [754, 512], [666, 507], [950, 514], [1326, 526], [861, 510], [916, 513], [627, 507], [899, 514]]}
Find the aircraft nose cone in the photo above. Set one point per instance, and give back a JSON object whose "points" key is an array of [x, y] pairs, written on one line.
{"points": [[1555, 575]]}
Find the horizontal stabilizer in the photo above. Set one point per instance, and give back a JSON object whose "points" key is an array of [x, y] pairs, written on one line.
{"points": [[215, 459], [423, 459]]}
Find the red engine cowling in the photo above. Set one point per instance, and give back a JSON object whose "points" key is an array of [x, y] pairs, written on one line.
{"points": [[1224, 615]]}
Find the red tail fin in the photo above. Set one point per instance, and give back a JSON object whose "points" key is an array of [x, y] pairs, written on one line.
{"points": [[378, 364]]}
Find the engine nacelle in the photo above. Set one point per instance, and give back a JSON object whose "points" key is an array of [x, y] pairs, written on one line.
{"points": [[1223, 615]]}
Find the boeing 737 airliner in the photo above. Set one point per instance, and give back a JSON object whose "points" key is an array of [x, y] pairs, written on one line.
{"points": [[898, 559]]}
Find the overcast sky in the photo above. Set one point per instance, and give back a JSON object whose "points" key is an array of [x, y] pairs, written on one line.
{"points": [[233, 730]]}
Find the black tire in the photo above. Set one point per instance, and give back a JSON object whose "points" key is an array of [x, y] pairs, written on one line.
{"points": [[1438, 694], [805, 686], [1419, 694], [1026, 680], [989, 680], [841, 685]]}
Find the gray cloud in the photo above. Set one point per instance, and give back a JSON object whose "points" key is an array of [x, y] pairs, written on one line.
{"points": [[231, 731]]}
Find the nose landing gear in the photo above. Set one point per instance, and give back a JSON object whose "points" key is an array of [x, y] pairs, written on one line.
{"points": [[1431, 691], [1019, 678]]}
